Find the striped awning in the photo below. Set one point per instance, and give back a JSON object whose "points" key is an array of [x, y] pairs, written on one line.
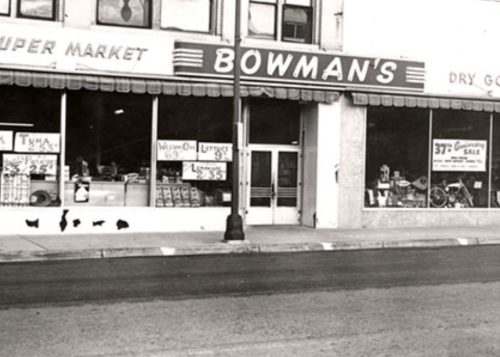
{"points": [[389, 100], [156, 87]]}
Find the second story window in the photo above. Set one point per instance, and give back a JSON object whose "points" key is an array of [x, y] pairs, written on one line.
{"points": [[127, 13], [35, 9], [283, 20], [4, 7], [188, 15]]}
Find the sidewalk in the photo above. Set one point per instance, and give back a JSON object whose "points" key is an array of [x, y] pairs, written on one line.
{"points": [[257, 240]]}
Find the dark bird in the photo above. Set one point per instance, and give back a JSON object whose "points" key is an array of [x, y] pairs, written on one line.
{"points": [[98, 223], [76, 222]]}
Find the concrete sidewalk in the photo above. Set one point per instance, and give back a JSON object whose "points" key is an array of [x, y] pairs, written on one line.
{"points": [[257, 240]]}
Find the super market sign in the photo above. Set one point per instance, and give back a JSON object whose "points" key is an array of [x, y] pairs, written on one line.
{"points": [[298, 68]]}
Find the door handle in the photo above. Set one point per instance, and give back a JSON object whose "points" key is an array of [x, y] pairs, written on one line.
{"points": [[273, 191]]}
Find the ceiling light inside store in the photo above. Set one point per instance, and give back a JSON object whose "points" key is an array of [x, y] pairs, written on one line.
{"points": [[119, 111], [30, 125]]}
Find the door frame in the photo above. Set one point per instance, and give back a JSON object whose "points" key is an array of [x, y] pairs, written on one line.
{"points": [[274, 149]]}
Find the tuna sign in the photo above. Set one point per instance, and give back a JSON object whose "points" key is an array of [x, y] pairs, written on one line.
{"points": [[298, 68]]}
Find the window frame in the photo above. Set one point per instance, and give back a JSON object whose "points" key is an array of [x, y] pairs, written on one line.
{"points": [[212, 21], [148, 26], [280, 7], [55, 5]]}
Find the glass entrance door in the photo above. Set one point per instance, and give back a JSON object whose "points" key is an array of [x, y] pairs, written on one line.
{"points": [[273, 196]]}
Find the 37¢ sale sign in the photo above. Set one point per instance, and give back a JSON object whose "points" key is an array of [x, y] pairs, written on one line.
{"points": [[459, 155]]}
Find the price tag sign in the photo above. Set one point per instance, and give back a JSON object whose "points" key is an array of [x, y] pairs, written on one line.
{"points": [[204, 171], [215, 152], [176, 150], [459, 155], [6, 142], [30, 164], [37, 142]]}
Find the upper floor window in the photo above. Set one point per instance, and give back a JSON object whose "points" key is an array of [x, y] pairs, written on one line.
{"points": [[188, 15], [32, 9], [130, 13], [5, 7], [285, 20]]}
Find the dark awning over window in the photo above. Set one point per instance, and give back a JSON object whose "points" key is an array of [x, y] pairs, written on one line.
{"points": [[157, 87], [388, 100]]}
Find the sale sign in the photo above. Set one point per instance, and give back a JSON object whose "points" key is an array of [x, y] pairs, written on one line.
{"points": [[459, 155], [30, 164], [176, 150], [204, 171], [37, 142]]}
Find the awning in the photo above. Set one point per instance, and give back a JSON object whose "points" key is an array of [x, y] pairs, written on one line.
{"points": [[156, 87], [388, 100]]}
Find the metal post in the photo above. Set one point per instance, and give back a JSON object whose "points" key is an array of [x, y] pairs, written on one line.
{"points": [[234, 223]]}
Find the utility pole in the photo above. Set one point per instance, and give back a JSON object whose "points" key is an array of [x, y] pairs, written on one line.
{"points": [[234, 223]]}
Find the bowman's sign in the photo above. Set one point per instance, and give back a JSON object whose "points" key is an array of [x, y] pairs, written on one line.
{"points": [[318, 69]]}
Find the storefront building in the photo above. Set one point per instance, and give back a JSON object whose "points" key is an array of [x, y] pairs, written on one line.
{"points": [[116, 116], [104, 130], [429, 158]]}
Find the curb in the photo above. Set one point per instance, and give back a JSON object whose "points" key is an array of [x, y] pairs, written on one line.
{"points": [[239, 248]]}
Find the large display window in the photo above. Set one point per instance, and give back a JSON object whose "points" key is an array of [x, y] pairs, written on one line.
{"points": [[108, 149], [29, 146], [441, 159], [194, 152]]}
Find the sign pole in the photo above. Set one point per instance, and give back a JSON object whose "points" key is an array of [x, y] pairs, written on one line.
{"points": [[234, 222]]}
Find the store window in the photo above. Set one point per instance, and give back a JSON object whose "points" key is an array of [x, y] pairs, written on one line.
{"points": [[274, 121], [4, 7], [194, 152], [130, 13], [285, 20], [460, 160], [37, 9], [29, 146], [108, 149], [418, 158], [188, 15], [397, 147]]}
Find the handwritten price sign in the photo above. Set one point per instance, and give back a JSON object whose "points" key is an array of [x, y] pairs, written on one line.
{"points": [[204, 171], [459, 155], [37, 142], [30, 164], [215, 152], [176, 150]]}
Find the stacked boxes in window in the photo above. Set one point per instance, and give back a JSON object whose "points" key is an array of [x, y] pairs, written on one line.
{"points": [[14, 189]]}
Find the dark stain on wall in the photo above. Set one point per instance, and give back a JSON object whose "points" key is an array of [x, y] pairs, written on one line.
{"points": [[98, 223], [121, 224], [64, 222], [33, 224]]}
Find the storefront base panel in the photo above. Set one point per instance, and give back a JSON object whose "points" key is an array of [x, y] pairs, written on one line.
{"points": [[437, 218], [30, 221]]}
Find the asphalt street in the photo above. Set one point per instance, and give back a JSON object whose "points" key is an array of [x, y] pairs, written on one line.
{"points": [[108, 280]]}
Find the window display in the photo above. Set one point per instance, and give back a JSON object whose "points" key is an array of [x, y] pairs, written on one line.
{"points": [[108, 145], [419, 158], [29, 146], [194, 152], [396, 158]]}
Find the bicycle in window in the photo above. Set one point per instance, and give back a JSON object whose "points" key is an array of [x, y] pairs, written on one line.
{"points": [[453, 195]]}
